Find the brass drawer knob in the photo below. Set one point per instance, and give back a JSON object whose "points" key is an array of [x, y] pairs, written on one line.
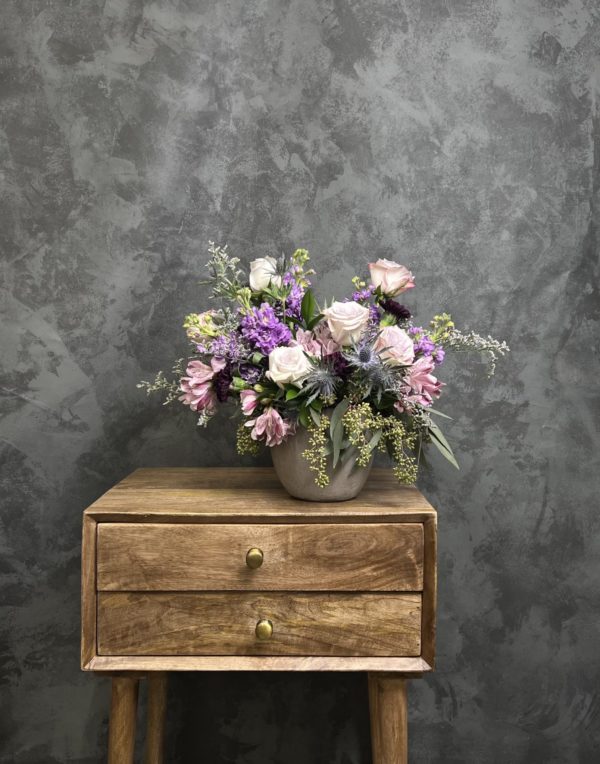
{"points": [[254, 558], [264, 630]]}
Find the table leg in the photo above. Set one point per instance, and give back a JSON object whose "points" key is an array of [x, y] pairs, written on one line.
{"points": [[157, 709], [121, 728], [388, 707]]}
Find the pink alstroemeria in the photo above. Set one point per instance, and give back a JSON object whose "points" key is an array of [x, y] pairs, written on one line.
{"points": [[249, 400], [271, 426], [323, 336], [197, 387], [420, 384], [308, 342]]}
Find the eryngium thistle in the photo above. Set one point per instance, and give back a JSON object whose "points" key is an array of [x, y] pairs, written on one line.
{"points": [[322, 381]]}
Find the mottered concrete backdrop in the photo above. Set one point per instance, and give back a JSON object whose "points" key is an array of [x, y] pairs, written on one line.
{"points": [[461, 138]]}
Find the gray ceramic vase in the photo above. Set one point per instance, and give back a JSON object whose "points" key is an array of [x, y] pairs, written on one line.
{"points": [[345, 481]]}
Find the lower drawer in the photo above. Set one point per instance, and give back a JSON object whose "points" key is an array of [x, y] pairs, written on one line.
{"points": [[134, 623]]}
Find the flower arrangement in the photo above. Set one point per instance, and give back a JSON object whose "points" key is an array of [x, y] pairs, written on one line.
{"points": [[358, 374]]}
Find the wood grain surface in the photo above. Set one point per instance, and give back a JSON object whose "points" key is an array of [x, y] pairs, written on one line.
{"points": [[206, 495], [223, 624], [145, 663], [389, 716], [350, 557], [121, 727]]}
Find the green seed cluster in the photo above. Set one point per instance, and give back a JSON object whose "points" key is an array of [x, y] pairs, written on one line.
{"points": [[244, 442], [361, 424], [317, 451]]}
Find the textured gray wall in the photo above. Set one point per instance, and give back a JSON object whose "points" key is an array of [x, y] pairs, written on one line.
{"points": [[461, 137]]}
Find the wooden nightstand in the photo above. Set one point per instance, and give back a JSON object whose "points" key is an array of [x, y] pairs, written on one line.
{"points": [[220, 570]]}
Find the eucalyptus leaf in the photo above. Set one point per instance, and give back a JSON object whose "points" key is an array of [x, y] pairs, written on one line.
{"points": [[304, 417], [438, 439], [439, 413], [316, 417], [337, 414], [336, 439]]}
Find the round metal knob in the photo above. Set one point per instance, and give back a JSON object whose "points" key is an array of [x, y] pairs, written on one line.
{"points": [[254, 558], [264, 629]]}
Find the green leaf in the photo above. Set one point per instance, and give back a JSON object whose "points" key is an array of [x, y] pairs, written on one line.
{"points": [[316, 417], [337, 414], [309, 306], [303, 417], [314, 321], [257, 357], [336, 440], [375, 439], [291, 394], [439, 413], [438, 439]]}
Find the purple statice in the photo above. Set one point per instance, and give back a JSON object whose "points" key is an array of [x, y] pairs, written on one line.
{"points": [[262, 329], [401, 312]]}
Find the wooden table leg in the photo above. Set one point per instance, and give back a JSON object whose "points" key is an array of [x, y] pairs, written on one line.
{"points": [[121, 728], [157, 709], [388, 707]]}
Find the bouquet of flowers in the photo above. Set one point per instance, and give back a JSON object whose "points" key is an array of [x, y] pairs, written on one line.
{"points": [[358, 374]]}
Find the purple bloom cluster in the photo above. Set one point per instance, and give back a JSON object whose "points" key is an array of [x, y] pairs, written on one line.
{"points": [[222, 381], [264, 330], [425, 346], [362, 295], [228, 346], [293, 302]]}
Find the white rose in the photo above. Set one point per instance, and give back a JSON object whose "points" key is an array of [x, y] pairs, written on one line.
{"points": [[288, 366], [391, 277], [346, 321], [263, 272], [395, 346]]}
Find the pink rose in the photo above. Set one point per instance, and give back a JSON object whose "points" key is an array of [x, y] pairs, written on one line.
{"points": [[346, 321], [271, 426], [391, 277], [395, 346], [249, 400]]}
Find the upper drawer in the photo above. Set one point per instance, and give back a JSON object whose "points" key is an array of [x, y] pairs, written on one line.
{"points": [[345, 557]]}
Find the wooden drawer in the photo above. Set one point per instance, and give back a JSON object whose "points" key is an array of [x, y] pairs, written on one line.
{"points": [[323, 557], [134, 623]]}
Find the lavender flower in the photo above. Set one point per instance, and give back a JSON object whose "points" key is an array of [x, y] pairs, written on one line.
{"points": [[264, 330], [229, 346], [249, 373]]}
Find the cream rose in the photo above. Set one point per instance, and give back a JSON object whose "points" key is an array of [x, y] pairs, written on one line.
{"points": [[391, 277], [288, 366], [395, 346], [346, 321], [263, 272]]}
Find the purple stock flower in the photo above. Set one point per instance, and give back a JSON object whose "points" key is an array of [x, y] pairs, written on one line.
{"points": [[438, 354], [363, 294], [374, 314], [249, 373], [293, 302], [264, 330]]}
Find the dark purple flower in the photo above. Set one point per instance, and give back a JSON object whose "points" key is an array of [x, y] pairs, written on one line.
{"points": [[264, 330], [341, 367], [222, 381], [401, 312]]}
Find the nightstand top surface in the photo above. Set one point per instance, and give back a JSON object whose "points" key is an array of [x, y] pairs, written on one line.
{"points": [[248, 494]]}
